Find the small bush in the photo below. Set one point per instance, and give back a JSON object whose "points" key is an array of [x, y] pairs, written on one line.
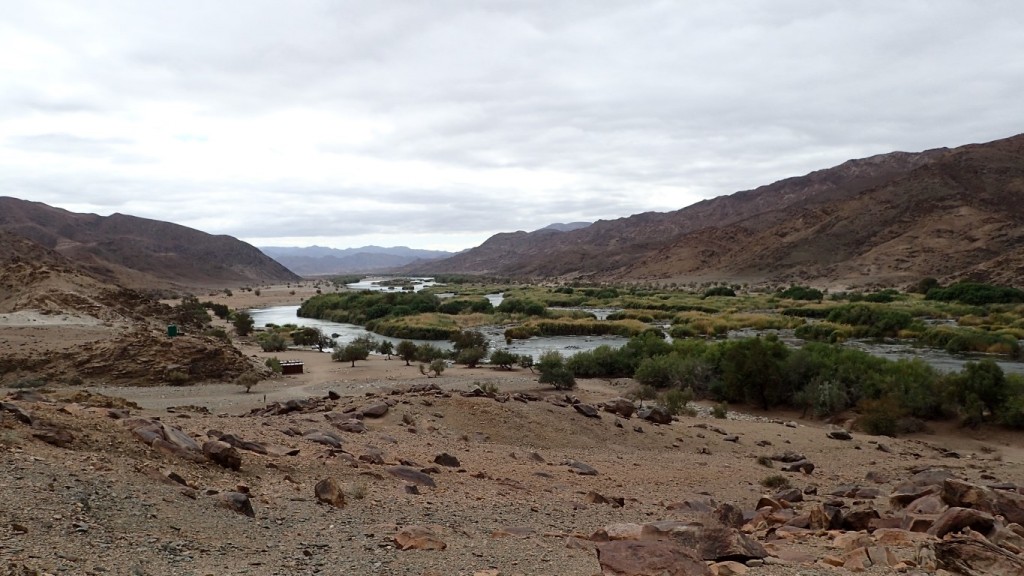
{"points": [[720, 410], [765, 461], [272, 342], [676, 400], [177, 378], [248, 380], [274, 364], [28, 383], [775, 482]]}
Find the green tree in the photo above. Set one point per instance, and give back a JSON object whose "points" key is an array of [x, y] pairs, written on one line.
{"points": [[752, 372], [553, 370], [503, 359], [243, 323], [406, 350], [350, 353], [310, 336], [471, 356], [980, 387], [386, 347]]}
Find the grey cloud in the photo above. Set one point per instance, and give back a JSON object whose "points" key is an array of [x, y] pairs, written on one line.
{"points": [[635, 106]]}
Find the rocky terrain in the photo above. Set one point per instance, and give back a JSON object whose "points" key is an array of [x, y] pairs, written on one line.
{"points": [[399, 474], [885, 220]]}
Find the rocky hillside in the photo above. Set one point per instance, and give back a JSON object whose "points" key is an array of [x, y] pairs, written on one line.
{"points": [[889, 219], [320, 261], [137, 252]]}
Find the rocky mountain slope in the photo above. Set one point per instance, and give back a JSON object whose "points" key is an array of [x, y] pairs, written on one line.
{"points": [[137, 252], [889, 219], [320, 261], [61, 323]]}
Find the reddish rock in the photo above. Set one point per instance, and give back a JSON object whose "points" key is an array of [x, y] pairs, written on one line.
{"points": [[649, 558], [976, 557], [418, 538], [237, 502], [956, 519], [963, 494], [222, 454]]}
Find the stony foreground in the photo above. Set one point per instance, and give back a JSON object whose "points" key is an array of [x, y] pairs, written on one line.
{"points": [[422, 480]]}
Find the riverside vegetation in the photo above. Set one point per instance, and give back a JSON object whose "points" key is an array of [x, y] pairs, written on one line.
{"points": [[820, 378]]}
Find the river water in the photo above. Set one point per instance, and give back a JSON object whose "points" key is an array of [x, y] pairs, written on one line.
{"points": [[569, 345]]}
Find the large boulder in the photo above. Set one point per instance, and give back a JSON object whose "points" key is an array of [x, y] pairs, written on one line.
{"points": [[655, 414], [649, 558], [969, 556], [222, 454], [329, 491], [619, 406], [956, 519], [960, 493]]}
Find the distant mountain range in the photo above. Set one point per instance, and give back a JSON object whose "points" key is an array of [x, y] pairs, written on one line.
{"points": [[889, 219], [321, 261], [138, 252]]}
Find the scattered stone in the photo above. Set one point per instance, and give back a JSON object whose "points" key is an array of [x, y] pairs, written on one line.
{"points": [[53, 435], [587, 410], [375, 410], [790, 495], [728, 568], [412, 475], [655, 414], [446, 459], [238, 502], [326, 438], [789, 456], [222, 454], [329, 492], [620, 407], [418, 538], [805, 466], [839, 434], [581, 468], [731, 438]]}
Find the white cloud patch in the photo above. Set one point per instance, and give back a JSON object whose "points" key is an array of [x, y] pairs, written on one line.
{"points": [[438, 124]]}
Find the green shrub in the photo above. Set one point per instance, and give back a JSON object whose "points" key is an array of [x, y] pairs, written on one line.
{"points": [[765, 461], [553, 370], [976, 294], [272, 342], [503, 359], [802, 293], [720, 410], [676, 400], [274, 364], [719, 291], [880, 417], [248, 380]]}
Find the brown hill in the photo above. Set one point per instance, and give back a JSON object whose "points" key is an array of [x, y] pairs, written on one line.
{"points": [[139, 252], [888, 219]]}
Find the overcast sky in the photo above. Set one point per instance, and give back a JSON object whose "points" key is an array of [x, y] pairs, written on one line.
{"points": [[435, 124]]}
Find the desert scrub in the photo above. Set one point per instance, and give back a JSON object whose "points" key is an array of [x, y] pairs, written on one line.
{"points": [[765, 461], [775, 482], [274, 364], [720, 410], [177, 378]]}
